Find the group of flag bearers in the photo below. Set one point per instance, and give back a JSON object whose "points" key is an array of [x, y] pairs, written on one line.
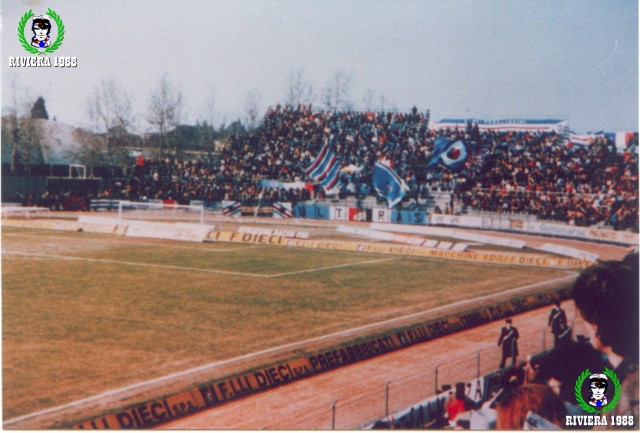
{"points": [[325, 169]]}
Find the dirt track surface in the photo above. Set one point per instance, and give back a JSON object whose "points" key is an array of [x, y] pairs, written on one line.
{"points": [[359, 389]]}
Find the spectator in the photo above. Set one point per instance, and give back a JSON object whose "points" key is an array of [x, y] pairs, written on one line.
{"points": [[606, 297], [514, 406], [531, 371], [456, 404], [510, 172]]}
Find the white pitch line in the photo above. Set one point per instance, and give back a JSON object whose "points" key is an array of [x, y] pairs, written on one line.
{"points": [[133, 242], [347, 265], [149, 265], [346, 332], [184, 268]]}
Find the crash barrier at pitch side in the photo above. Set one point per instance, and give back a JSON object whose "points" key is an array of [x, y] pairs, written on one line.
{"points": [[398, 218], [507, 223], [221, 390]]}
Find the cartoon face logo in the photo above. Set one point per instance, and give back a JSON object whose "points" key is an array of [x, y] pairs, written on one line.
{"points": [[598, 385], [41, 34], [41, 28], [603, 390]]}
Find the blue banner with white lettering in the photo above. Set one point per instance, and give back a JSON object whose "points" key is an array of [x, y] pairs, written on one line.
{"points": [[408, 217]]}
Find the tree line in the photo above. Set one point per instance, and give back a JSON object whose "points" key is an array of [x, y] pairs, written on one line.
{"points": [[109, 110]]}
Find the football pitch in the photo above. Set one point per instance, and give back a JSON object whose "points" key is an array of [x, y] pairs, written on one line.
{"points": [[86, 313]]}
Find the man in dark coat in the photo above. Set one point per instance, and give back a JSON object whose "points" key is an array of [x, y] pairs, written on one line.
{"points": [[509, 342], [558, 323]]}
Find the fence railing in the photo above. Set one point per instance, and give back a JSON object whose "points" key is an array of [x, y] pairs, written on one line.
{"points": [[403, 392]]}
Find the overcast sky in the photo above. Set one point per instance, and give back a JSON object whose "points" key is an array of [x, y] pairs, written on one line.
{"points": [[489, 59]]}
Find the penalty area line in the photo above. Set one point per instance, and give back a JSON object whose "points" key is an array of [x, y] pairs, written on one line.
{"points": [[344, 333], [132, 242], [8, 253], [135, 264], [347, 265]]}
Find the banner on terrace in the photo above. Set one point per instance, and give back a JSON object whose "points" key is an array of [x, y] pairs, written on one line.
{"points": [[231, 208], [282, 210], [276, 184], [520, 125], [620, 139]]}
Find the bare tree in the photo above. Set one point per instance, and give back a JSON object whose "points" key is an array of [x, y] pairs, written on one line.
{"points": [[13, 125], [206, 130], [165, 109], [336, 93], [210, 106], [32, 131], [368, 97], [297, 91], [92, 151], [383, 100], [21, 130], [109, 107], [252, 107]]}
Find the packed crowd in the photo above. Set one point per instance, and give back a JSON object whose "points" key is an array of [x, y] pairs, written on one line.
{"points": [[533, 173], [507, 172]]}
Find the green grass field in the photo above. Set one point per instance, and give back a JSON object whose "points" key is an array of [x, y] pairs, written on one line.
{"points": [[85, 313]]}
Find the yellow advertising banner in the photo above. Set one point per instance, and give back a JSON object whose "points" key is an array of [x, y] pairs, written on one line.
{"points": [[505, 258]]}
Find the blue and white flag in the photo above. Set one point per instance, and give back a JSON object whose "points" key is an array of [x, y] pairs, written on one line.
{"points": [[325, 169], [388, 184], [231, 208], [282, 210], [316, 162], [450, 153]]}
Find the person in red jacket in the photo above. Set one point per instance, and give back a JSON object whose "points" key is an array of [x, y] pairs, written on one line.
{"points": [[456, 404]]}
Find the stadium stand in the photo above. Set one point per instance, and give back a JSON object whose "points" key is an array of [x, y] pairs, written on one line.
{"points": [[534, 174]]}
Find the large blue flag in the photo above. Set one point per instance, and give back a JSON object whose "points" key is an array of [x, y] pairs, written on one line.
{"points": [[388, 184], [450, 153]]}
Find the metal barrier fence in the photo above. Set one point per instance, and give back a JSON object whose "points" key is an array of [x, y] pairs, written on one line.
{"points": [[403, 392]]}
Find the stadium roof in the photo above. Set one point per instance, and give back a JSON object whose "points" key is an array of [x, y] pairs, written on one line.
{"points": [[511, 124]]}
